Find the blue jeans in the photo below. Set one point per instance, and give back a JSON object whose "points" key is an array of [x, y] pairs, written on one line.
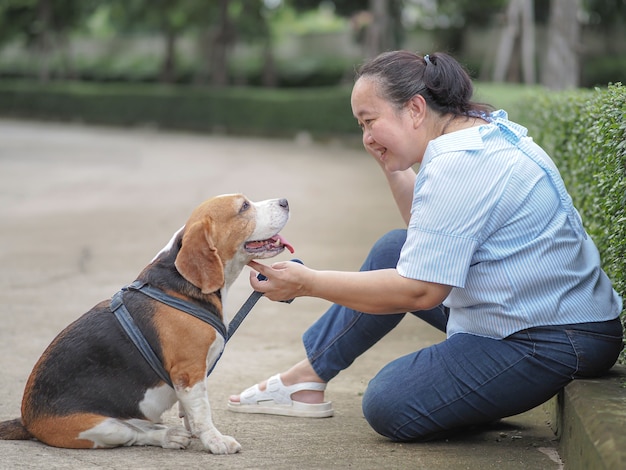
{"points": [[463, 381]]}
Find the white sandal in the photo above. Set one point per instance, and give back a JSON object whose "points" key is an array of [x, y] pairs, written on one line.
{"points": [[276, 400]]}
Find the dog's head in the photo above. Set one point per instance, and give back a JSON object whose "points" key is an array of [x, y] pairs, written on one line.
{"points": [[224, 233]]}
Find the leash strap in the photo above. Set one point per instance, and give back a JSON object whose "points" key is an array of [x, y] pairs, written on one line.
{"points": [[248, 304], [134, 334], [243, 311]]}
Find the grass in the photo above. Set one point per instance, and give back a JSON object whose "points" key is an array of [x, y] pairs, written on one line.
{"points": [[507, 96]]}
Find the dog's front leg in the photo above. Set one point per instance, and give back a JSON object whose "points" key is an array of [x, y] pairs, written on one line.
{"points": [[183, 415], [195, 402]]}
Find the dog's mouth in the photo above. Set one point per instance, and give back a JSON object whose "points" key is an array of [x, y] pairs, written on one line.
{"points": [[272, 245]]}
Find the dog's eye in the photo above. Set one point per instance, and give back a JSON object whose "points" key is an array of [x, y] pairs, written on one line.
{"points": [[244, 207]]}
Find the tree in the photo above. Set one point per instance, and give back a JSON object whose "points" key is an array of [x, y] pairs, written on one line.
{"points": [[607, 17], [243, 20], [561, 67], [222, 40], [378, 22], [379, 35], [519, 27], [253, 25], [44, 26], [169, 18]]}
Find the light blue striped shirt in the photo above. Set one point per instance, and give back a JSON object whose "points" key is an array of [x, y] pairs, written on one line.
{"points": [[491, 217]]}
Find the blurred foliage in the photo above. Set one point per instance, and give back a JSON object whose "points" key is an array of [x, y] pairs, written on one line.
{"points": [[233, 110], [508, 96], [310, 71], [471, 12], [604, 12], [598, 71], [133, 16], [47, 30]]}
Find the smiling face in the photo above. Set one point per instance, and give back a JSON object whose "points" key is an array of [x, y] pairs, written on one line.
{"points": [[393, 136]]}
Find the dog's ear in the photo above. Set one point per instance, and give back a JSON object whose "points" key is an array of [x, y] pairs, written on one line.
{"points": [[198, 261]]}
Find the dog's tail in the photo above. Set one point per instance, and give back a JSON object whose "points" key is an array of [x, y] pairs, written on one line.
{"points": [[14, 430]]}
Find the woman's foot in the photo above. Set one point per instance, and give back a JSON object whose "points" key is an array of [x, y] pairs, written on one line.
{"points": [[302, 372], [297, 392]]}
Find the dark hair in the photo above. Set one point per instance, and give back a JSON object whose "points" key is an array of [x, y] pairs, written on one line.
{"points": [[440, 79]]}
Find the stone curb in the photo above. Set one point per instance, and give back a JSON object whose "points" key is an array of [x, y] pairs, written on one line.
{"points": [[589, 417]]}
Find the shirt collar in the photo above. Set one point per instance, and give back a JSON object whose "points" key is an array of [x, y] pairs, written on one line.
{"points": [[511, 130], [472, 139], [458, 141]]}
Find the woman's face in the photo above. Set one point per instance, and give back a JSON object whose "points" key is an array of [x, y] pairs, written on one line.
{"points": [[389, 134]]}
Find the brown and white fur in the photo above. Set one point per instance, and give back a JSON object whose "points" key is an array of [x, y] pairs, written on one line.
{"points": [[91, 388]]}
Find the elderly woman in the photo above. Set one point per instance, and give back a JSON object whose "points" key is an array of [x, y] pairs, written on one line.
{"points": [[494, 254]]}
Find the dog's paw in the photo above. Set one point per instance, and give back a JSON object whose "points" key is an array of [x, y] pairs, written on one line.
{"points": [[220, 444], [176, 438]]}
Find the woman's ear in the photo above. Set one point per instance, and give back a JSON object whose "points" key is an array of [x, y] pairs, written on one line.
{"points": [[417, 109]]}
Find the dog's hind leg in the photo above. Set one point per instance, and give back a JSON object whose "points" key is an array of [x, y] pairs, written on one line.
{"points": [[88, 431], [113, 432]]}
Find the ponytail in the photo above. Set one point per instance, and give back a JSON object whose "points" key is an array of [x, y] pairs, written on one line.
{"points": [[445, 85]]}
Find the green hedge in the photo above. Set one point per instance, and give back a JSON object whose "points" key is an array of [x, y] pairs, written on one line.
{"points": [[249, 111], [585, 133]]}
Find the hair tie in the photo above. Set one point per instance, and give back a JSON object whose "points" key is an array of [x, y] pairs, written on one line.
{"points": [[427, 59]]}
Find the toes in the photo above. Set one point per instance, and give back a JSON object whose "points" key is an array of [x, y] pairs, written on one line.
{"points": [[177, 438], [232, 445], [261, 387], [223, 445]]}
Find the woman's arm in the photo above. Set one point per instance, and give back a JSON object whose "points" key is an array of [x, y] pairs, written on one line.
{"points": [[402, 184], [378, 292]]}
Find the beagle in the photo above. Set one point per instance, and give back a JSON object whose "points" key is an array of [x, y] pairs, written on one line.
{"points": [[94, 388]]}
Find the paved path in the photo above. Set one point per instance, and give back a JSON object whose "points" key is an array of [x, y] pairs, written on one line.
{"points": [[84, 209]]}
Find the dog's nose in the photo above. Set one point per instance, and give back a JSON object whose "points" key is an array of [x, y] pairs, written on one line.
{"points": [[284, 204]]}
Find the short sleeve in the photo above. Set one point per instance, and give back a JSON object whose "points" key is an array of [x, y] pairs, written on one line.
{"points": [[434, 257], [455, 193]]}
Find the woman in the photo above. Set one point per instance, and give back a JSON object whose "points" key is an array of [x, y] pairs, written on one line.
{"points": [[495, 255]]}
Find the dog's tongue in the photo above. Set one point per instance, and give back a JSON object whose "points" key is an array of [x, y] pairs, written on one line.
{"points": [[282, 240]]}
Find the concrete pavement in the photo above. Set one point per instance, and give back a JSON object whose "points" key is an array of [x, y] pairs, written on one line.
{"points": [[84, 209]]}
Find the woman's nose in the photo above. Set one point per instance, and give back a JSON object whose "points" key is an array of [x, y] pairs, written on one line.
{"points": [[367, 138]]}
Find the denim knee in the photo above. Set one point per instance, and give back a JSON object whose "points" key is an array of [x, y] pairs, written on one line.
{"points": [[381, 410]]}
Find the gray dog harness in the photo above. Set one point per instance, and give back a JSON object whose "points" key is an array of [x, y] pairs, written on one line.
{"points": [[134, 333], [210, 316]]}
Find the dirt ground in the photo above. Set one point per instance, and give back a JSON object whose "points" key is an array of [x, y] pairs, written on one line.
{"points": [[84, 209]]}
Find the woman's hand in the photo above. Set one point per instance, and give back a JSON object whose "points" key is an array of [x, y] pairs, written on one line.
{"points": [[286, 280], [401, 182]]}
